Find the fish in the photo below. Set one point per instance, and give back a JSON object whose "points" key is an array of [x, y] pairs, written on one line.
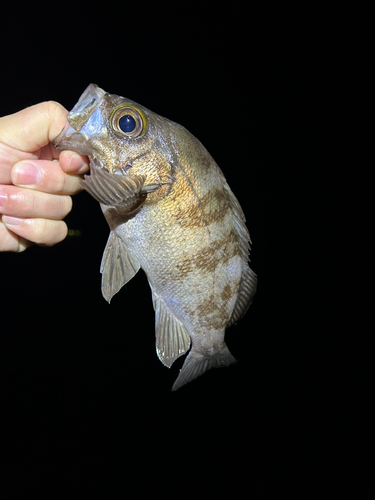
{"points": [[172, 213]]}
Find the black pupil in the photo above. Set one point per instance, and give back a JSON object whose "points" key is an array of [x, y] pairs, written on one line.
{"points": [[127, 124]]}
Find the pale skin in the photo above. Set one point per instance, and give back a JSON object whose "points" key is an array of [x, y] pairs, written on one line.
{"points": [[36, 180]]}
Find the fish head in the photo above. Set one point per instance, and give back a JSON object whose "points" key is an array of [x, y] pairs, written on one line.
{"points": [[117, 134]]}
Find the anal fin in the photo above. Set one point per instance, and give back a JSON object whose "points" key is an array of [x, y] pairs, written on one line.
{"points": [[118, 266], [172, 338]]}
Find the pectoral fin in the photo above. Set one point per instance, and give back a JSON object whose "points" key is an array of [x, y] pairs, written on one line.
{"points": [[120, 191], [118, 266], [172, 338]]}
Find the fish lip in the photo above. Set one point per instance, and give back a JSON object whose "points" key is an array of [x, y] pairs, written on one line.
{"points": [[72, 140], [66, 133]]}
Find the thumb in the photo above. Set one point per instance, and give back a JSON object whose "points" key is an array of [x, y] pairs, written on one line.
{"points": [[33, 127]]}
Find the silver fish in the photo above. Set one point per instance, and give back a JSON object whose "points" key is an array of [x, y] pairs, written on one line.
{"points": [[171, 213]]}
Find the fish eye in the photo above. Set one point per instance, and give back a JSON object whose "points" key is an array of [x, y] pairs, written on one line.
{"points": [[129, 121], [127, 124]]}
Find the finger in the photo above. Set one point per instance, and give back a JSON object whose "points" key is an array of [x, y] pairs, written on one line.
{"points": [[33, 127], [46, 176], [8, 157], [11, 242], [73, 163], [40, 231], [23, 202]]}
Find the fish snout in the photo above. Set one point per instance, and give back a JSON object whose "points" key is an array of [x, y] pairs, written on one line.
{"points": [[65, 134], [83, 122], [69, 138]]}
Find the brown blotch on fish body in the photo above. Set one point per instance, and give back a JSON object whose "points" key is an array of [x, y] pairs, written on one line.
{"points": [[226, 294], [210, 208]]}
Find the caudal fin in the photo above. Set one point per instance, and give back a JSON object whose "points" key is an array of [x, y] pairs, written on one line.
{"points": [[196, 364]]}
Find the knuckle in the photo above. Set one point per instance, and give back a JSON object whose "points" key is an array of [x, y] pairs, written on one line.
{"points": [[54, 206], [29, 203], [67, 183], [60, 232], [57, 114], [53, 179], [66, 204], [38, 230], [18, 201], [48, 232], [54, 107], [73, 185], [59, 182]]}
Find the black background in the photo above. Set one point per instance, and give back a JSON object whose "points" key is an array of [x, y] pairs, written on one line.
{"points": [[84, 400]]}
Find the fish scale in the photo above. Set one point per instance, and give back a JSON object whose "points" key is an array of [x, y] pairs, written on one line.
{"points": [[171, 213]]}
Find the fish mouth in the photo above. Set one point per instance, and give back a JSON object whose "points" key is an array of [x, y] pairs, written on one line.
{"points": [[73, 135], [67, 137], [70, 139]]}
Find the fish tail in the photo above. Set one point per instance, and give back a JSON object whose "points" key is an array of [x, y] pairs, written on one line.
{"points": [[196, 364]]}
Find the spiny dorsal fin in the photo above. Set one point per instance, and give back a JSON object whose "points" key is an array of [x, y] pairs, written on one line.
{"points": [[172, 338], [118, 266], [248, 284]]}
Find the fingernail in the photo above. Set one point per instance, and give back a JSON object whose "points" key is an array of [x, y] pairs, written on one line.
{"points": [[27, 174], [82, 167], [12, 221], [3, 197], [75, 163]]}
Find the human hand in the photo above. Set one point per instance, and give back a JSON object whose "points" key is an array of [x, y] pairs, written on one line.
{"points": [[36, 180]]}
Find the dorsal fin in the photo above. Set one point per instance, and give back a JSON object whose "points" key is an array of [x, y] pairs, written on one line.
{"points": [[118, 266], [172, 338], [248, 284]]}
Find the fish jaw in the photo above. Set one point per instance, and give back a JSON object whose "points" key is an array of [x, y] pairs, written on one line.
{"points": [[86, 105], [83, 122], [68, 138], [78, 140]]}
